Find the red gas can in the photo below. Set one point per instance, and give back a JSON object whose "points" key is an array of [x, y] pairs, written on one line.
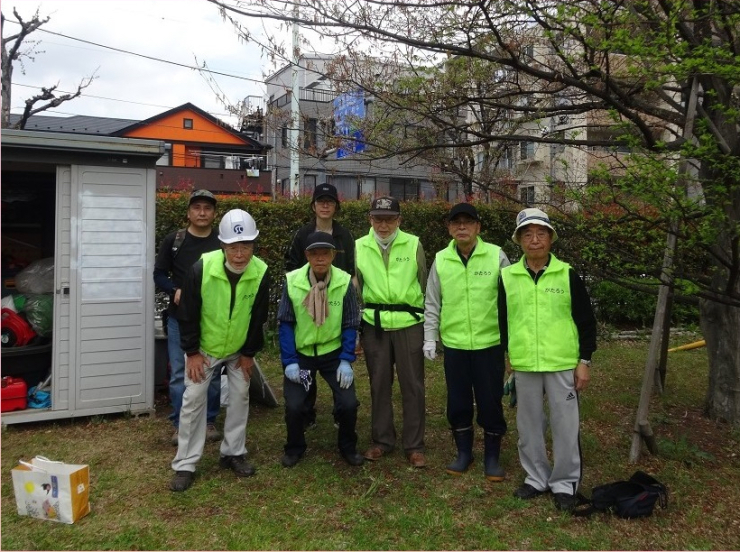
{"points": [[14, 394]]}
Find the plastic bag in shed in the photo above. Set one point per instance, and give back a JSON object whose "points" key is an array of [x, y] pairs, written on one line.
{"points": [[39, 310], [38, 277]]}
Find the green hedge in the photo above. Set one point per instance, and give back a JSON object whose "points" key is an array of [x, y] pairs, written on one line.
{"points": [[278, 221]]}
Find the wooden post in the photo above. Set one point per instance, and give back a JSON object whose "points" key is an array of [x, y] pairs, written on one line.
{"points": [[642, 426], [642, 429]]}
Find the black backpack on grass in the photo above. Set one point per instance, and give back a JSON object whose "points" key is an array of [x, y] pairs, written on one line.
{"points": [[630, 499]]}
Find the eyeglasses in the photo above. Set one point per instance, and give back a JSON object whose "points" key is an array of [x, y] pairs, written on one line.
{"points": [[384, 219], [239, 247], [326, 202], [529, 235]]}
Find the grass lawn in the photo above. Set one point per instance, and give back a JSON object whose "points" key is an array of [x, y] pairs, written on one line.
{"points": [[325, 504]]}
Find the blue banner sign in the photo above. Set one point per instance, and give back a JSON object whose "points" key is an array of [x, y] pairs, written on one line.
{"points": [[348, 108]]}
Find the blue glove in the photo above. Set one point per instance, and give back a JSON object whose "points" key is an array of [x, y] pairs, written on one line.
{"points": [[345, 375], [293, 372]]}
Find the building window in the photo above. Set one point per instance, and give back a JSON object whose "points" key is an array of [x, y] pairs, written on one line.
{"points": [[187, 123], [526, 150], [212, 161], [284, 136], [309, 133], [367, 187], [346, 185], [308, 183], [404, 189], [526, 195], [506, 161]]}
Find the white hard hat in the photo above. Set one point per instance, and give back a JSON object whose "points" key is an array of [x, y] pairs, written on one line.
{"points": [[236, 226], [532, 216]]}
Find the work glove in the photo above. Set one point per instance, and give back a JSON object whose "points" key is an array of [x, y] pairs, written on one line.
{"points": [[510, 389], [293, 372], [345, 375], [430, 349]]}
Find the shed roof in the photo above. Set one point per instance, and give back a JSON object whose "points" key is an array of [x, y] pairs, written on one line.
{"points": [[76, 124]]}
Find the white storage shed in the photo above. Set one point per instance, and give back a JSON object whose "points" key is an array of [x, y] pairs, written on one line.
{"points": [[92, 210]]}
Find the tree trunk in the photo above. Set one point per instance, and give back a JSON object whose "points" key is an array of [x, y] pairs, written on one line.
{"points": [[6, 78], [720, 325]]}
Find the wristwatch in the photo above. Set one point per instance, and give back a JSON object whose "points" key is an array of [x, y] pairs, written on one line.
{"points": [[586, 362]]}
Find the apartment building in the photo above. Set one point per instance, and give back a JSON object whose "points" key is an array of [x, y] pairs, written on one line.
{"points": [[324, 114]]}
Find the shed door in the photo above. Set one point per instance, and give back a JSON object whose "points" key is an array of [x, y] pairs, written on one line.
{"points": [[113, 322]]}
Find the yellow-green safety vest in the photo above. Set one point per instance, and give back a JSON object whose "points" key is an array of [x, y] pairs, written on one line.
{"points": [[222, 335], [310, 339], [398, 284], [542, 334], [468, 317]]}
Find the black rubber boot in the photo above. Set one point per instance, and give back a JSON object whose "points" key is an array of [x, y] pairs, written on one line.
{"points": [[491, 467], [464, 441]]}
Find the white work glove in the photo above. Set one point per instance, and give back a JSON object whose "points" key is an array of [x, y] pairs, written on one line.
{"points": [[293, 372], [345, 375], [430, 349]]}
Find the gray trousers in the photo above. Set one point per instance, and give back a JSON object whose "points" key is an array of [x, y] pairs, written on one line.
{"points": [[191, 437], [402, 348], [532, 388]]}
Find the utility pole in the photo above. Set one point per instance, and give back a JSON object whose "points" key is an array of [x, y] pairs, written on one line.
{"points": [[294, 111]]}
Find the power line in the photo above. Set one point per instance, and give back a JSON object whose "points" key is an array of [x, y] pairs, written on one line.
{"points": [[152, 58], [91, 96]]}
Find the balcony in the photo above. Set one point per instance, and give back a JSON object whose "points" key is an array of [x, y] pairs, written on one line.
{"points": [[222, 181], [306, 95]]}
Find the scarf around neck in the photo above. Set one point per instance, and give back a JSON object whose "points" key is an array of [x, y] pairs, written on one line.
{"points": [[316, 302]]}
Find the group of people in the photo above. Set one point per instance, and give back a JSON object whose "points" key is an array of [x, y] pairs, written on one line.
{"points": [[532, 317]]}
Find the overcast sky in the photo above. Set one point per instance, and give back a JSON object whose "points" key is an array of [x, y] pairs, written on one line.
{"points": [[128, 86]]}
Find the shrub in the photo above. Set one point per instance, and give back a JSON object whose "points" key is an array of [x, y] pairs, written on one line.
{"points": [[278, 221], [623, 306]]}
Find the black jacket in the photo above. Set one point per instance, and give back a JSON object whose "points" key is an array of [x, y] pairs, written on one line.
{"points": [[191, 303], [295, 255]]}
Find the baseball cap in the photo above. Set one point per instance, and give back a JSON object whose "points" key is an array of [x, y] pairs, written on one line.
{"points": [[202, 195], [325, 190], [385, 205], [532, 216], [320, 240], [463, 209]]}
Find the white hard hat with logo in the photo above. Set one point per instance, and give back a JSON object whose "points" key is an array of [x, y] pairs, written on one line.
{"points": [[236, 226]]}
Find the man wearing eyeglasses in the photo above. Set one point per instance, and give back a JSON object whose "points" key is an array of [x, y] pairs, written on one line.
{"points": [[391, 278], [461, 311], [223, 307], [549, 329]]}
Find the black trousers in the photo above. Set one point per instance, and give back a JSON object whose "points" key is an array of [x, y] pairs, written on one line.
{"points": [[475, 374], [345, 405]]}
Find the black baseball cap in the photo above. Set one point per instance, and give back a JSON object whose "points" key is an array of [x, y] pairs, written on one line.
{"points": [[325, 190], [463, 209], [385, 205], [320, 240], [202, 195]]}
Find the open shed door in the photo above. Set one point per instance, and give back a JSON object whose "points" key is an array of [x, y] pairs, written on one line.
{"points": [[111, 322]]}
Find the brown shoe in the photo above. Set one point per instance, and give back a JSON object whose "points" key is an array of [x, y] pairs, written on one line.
{"points": [[374, 453], [417, 459]]}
